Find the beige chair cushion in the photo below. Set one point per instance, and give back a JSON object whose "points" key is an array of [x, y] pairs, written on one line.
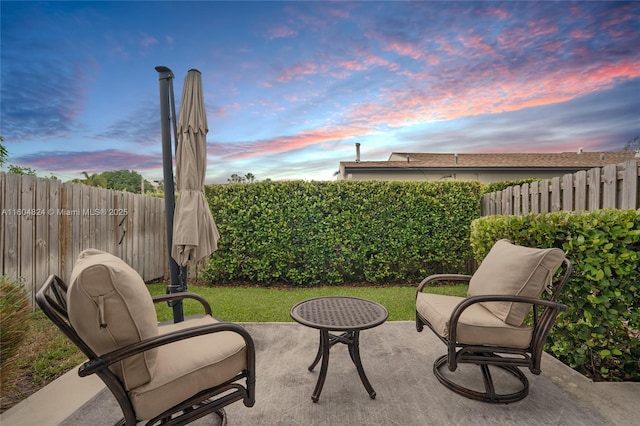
{"points": [[110, 307], [514, 270], [476, 325], [189, 366]]}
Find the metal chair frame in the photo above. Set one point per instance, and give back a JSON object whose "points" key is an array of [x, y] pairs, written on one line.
{"points": [[487, 355], [52, 300]]}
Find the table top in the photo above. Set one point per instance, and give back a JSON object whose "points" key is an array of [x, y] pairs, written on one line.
{"points": [[339, 313]]}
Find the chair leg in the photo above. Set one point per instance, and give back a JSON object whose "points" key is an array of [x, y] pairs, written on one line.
{"points": [[490, 394], [223, 416]]}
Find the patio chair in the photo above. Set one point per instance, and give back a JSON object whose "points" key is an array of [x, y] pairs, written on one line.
{"points": [[495, 324], [162, 374]]}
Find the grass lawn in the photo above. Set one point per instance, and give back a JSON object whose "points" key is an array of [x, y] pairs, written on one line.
{"points": [[255, 304], [46, 353]]}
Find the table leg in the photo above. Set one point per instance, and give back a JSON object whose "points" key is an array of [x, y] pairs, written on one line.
{"points": [[354, 351], [318, 355], [324, 351]]}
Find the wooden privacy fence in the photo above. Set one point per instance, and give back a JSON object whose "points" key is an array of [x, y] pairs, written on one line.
{"points": [[45, 224], [610, 187]]}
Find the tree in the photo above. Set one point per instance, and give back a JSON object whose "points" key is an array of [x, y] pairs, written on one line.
{"points": [[3, 152], [632, 144], [126, 180], [93, 180], [236, 178], [27, 171]]}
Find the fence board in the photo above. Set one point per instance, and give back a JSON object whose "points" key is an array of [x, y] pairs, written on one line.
{"points": [[25, 226], [525, 198], [54, 226], [11, 239], [581, 190], [45, 224], [567, 192], [611, 187], [535, 197], [629, 185], [609, 193], [556, 195], [507, 197], [549, 198], [41, 246], [595, 182]]}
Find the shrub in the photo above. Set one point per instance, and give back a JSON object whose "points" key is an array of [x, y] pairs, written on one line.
{"points": [[14, 314], [599, 334], [499, 186], [310, 233]]}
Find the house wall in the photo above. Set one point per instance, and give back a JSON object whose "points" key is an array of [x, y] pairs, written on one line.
{"points": [[422, 175]]}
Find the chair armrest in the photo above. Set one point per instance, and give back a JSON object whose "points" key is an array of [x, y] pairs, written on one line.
{"points": [[105, 360], [181, 296], [442, 277], [455, 315]]}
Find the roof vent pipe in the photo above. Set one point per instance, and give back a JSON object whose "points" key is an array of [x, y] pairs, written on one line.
{"points": [[455, 158], [357, 152]]}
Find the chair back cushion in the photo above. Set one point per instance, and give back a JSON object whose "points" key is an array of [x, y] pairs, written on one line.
{"points": [[510, 269], [110, 307]]}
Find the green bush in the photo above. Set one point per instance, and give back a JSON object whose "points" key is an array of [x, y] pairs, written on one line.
{"points": [[599, 335], [499, 186], [310, 233], [14, 324]]}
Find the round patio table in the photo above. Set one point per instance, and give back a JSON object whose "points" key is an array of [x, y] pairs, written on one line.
{"points": [[339, 313]]}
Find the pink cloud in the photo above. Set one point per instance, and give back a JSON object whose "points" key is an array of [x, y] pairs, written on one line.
{"points": [[553, 46], [93, 162], [352, 65], [300, 69], [541, 27], [281, 31], [433, 59], [280, 144], [148, 41], [497, 12], [373, 60], [477, 44], [405, 49], [486, 93], [581, 34], [339, 13]]}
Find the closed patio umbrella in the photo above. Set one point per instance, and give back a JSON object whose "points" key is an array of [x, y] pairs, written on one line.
{"points": [[195, 235]]}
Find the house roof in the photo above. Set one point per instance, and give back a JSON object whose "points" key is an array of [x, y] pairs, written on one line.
{"points": [[497, 160]]}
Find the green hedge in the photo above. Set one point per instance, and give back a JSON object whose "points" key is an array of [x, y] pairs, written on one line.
{"points": [[312, 233], [599, 335]]}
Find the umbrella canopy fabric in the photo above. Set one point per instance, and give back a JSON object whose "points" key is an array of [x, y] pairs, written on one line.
{"points": [[195, 235]]}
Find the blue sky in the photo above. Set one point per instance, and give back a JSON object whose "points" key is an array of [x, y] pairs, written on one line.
{"points": [[290, 87]]}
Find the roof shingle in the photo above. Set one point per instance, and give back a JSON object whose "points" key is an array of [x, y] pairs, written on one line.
{"points": [[507, 160]]}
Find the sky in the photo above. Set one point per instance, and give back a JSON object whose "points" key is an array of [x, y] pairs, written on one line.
{"points": [[290, 87]]}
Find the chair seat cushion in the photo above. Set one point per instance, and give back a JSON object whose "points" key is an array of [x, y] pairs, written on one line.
{"points": [[476, 326], [189, 366], [509, 269]]}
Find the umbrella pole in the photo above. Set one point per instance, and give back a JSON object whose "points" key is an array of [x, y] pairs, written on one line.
{"points": [[166, 101]]}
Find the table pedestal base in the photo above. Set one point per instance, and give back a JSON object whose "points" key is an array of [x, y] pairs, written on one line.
{"points": [[327, 340]]}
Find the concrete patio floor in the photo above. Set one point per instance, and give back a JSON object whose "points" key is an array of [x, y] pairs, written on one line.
{"points": [[398, 362]]}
